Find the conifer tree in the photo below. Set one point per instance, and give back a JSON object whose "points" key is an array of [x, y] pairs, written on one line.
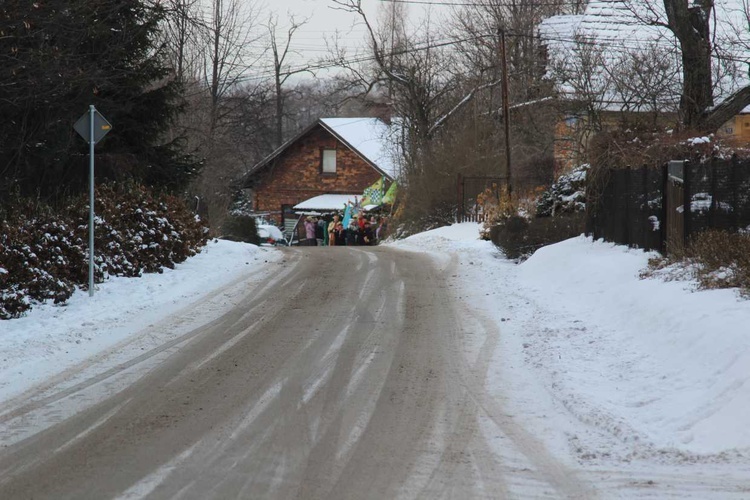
{"points": [[59, 56]]}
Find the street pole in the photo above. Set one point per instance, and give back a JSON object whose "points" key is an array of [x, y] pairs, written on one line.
{"points": [[92, 110], [506, 112], [92, 127]]}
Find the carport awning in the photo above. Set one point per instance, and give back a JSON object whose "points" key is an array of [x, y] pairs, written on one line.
{"points": [[327, 202]]}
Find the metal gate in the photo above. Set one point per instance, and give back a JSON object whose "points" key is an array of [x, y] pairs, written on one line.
{"points": [[289, 222], [469, 188]]}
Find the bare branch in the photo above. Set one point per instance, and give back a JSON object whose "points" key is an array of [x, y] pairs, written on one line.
{"points": [[724, 112], [463, 102]]}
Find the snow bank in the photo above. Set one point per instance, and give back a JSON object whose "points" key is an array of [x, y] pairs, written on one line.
{"points": [[658, 358], [655, 366], [52, 337]]}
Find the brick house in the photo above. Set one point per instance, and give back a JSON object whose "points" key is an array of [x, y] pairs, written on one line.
{"points": [[331, 156]]}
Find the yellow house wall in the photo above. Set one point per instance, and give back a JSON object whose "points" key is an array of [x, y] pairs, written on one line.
{"points": [[738, 128]]}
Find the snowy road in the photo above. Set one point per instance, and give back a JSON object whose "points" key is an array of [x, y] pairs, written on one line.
{"points": [[414, 371], [343, 378]]}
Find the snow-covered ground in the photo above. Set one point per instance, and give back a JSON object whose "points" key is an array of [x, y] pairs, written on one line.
{"points": [[50, 338], [606, 367]]}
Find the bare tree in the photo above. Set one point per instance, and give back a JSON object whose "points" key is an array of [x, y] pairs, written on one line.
{"points": [[477, 32], [181, 36], [691, 24], [230, 46], [230, 35], [579, 74], [646, 82], [282, 70], [487, 34], [426, 94], [392, 17]]}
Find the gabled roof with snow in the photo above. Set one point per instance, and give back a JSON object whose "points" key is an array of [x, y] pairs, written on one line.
{"points": [[618, 28], [610, 23], [369, 138]]}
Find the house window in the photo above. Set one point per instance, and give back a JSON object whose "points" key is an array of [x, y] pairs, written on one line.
{"points": [[329, 161], [571, 121]]}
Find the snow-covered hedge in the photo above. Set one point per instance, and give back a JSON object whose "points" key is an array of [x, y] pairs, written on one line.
{"points": [[44, 255], [566, 195]]}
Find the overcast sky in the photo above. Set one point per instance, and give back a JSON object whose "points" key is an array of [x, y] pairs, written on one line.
{"points": [[325, 21]]}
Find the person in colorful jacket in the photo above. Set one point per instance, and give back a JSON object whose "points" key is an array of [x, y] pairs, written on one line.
{"points": [[332, 230], [310, 225]]}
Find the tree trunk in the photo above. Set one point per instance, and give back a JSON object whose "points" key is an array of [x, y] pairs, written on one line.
{"points": [[279, 111], [691, 27]]}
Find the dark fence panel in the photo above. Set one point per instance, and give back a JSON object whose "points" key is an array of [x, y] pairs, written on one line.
{"points": [[628, 208], [643, 207], [725, 203], [742, 193], [719, 195]]}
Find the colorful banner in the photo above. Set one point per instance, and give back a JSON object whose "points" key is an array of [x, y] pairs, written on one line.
{"points": [[373, 195], [390, 196], [347, 216]]}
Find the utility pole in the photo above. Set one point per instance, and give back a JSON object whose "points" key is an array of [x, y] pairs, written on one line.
{"points": [[506, 112], [393, 48]]}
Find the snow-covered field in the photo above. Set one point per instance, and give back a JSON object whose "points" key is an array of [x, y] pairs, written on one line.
{"points": [[606, 367]]}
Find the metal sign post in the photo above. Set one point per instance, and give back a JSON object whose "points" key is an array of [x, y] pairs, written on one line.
{"points": [[92, 126]]}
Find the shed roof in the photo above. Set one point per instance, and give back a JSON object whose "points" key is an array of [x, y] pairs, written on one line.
{"points": [[327, 202]]}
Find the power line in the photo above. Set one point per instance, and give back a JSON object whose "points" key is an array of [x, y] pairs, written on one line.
{"points": [[369, 58], [473, 4], [611, 44]]}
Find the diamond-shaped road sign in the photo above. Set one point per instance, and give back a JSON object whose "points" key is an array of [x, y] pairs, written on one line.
{"points": [[101, 126]]}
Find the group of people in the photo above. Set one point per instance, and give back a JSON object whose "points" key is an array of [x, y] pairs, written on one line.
{"points": [[361, 230]]}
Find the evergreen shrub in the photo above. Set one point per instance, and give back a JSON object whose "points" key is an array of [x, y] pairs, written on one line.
{"points": [[44, 254], [519, 237], [241, 228]]}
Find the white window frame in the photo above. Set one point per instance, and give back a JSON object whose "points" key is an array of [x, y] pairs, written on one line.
{"points": [[328, 161]]}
